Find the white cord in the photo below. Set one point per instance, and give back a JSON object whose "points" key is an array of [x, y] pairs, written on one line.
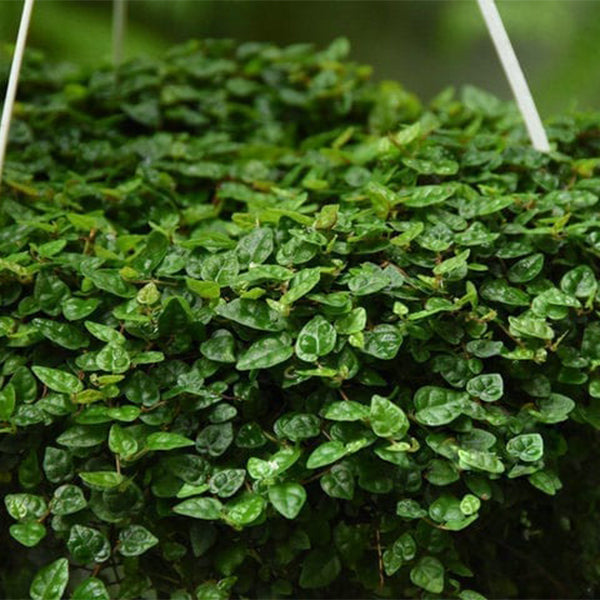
{"points": [[118, 32], [13, 80], [515, 75]]}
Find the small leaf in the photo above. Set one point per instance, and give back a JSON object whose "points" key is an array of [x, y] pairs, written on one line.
{"points": [[57, 380], [29, 533], [200, 508], [325, 454], [527, 447], [428, 574], [135, 540], [91, 588], [68, 499], [287, 498], [245, 509], [319, 569], [387, 419], [50, 581], [317, 338], [338, 482], [87, 545], [488, 387], [102, 479], [266, 352], [346, 410], [163, 440]]}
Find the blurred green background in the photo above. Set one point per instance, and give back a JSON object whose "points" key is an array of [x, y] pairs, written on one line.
{"points": [[426, 45]]}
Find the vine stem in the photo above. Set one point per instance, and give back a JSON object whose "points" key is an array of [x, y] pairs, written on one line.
{"points": [[13, 80]]}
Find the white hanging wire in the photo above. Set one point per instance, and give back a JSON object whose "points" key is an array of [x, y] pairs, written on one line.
{"points": [[13, 80], [119, 24], [514, 74]]}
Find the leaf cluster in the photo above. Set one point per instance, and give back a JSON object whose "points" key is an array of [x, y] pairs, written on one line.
{"points": [[270, 330]]}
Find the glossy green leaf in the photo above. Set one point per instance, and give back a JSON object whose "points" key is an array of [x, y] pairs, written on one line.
{"points": [[87, 545], [208, 509], [28, 534], [287, 498], [58, 381], [325, 454], [50, 581], [135, 540], [317, 338], [164, 440], [387, 419], [428, 574], [91, 588], [266, 352], [527, 447]]}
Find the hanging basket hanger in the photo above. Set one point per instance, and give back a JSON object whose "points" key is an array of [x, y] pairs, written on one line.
{"points": [[514, 74]]}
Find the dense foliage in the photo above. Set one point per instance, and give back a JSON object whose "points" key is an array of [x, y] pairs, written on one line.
{"points": [[269, 330]]}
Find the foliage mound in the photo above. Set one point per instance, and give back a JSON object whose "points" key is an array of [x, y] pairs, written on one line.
{"points": [[269, 330]]}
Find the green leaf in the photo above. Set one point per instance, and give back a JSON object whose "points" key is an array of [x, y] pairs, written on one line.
{"points": [[488, 387], [438, 406], [75, 309], [29, 533], [320, 568], [113, 358], [255, 247], [7, 402], [50, 581], [104, 333], [410, 509], [527, 447], [220, 347], [67, 499], [102, 479], [91, 588], [590, 344], [580, 282], [62, 334], [163, 440], [121, 441], [57, 380], [428, 574], [354, 322], [25, 506], [87, 545], [480, 461], [302, 283], [255, 314], [297, 426], [317, 338], [383, 342], [427, 195], [325, 454], [387, 419], [111, 281], [368, 279], [200, 508], [526, 269], [266, 352], [346, 410], [244, 509], [204, 289], [526, 326], [135, 540], [287, 498], [227, 482], [338, 482]]}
